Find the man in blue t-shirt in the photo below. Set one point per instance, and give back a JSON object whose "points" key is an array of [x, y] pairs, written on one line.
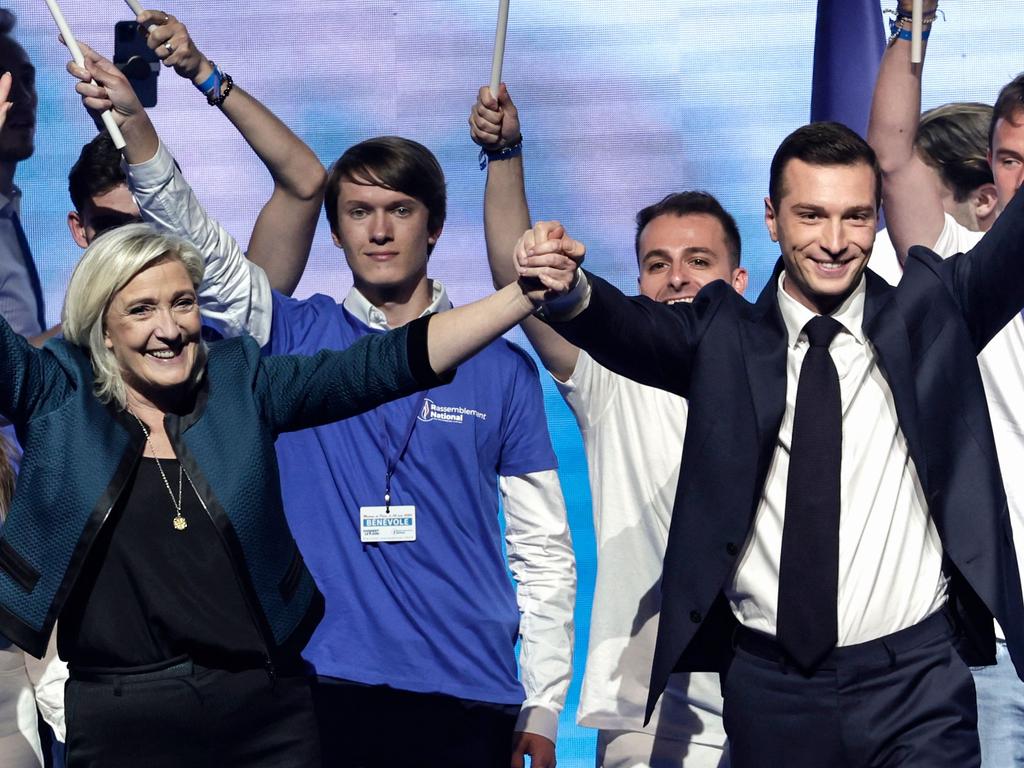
{"points": [[396, 511]]}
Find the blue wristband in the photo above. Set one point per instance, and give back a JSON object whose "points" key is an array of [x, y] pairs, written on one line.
{"points": [[513, 150], [898, 32], [906, 34], [212, 82]]}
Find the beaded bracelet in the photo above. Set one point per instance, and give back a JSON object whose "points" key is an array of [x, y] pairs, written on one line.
{"points": [[216, 87], [902, 33], [898, 31], [216, 98]]}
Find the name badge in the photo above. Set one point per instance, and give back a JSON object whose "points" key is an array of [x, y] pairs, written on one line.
{"points": [[377, 524]]}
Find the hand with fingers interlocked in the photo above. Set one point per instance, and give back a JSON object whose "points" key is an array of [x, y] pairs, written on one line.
{"points": [[547, 255]]}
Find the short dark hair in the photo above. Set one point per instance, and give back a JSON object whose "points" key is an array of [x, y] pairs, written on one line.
{"points": [[394, 163], [684, 204], [823, 143], [1008, 104], [953, 139], [8, 20], [97, 170]]}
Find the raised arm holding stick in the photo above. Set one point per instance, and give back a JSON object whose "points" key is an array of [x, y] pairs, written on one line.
{"points": [[913, 206], [494, 126], [283, 232], [922, 209]]}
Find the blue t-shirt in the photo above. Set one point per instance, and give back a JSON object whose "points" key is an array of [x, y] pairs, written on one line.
{"points": [[437, 614]]}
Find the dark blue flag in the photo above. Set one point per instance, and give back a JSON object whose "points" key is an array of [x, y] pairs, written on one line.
{"points": [[849, 40]]}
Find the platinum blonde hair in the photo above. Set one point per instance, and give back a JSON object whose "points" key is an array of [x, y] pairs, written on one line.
{"points": [[107, 266]]}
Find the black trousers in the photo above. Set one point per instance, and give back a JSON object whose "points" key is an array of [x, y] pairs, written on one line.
{"points": [[191, 716], [374, 726], [903, 701]]}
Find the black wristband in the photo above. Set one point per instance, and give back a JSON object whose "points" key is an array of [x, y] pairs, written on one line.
{"points": [[505, 153]]}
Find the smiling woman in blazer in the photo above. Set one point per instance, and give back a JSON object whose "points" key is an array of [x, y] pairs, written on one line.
{"points": [[148, 511]]}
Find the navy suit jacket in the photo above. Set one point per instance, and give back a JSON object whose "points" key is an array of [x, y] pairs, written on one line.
{"points": [[728, 358]]}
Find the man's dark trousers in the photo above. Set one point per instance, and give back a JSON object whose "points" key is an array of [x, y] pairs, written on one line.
{"points": [[906, 700], [376, 726]]}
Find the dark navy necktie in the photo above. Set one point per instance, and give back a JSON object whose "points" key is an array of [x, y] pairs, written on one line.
{"points": [[809, 567], [30, 267]]}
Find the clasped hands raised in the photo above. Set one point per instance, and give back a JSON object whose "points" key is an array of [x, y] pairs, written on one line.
{"points": [[547, 261]]}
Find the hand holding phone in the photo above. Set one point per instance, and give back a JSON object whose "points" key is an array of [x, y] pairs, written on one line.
{"points": [[139, 63]]}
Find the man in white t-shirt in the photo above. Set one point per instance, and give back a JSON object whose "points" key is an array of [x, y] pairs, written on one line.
{"points": [[633, 437], [952, 142], [915, 214]]}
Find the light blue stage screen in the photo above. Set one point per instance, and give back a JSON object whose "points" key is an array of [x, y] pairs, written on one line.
{"points": [[621, 103]]}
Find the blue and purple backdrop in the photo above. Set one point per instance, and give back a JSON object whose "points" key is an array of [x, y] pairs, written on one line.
{"points": [[621, 102]]}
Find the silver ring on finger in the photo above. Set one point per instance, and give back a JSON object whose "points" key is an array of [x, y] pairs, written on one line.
{"points": [[169, 47]]}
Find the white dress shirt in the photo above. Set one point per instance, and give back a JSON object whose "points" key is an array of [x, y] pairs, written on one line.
{"points": [[890, 555]]}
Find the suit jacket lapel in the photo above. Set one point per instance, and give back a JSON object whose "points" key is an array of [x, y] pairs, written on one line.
{"points": [[764, 353], [764, 350], [886, 329]]}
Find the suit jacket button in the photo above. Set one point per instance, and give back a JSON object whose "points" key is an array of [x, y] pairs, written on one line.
{"points": [[732, 549], [695, 617]]}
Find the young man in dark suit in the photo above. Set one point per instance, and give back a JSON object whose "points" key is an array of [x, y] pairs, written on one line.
{"points": [[844, 530]]}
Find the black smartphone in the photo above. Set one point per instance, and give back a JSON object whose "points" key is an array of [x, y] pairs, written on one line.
{"points": [[139, 64]]}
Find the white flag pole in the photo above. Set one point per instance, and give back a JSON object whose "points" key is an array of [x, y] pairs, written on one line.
{"points": [[499, 47], [916, 30], [76, 54]]}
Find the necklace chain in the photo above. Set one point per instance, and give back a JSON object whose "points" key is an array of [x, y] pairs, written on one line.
{"points": [[178, 521]]}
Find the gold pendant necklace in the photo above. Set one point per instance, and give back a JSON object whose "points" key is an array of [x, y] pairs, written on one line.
{"points": [[178, 521]]}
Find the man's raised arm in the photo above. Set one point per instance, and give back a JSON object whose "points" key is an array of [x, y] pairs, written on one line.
{"points": [[284, 230], [494, 125], [913, 205]]}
